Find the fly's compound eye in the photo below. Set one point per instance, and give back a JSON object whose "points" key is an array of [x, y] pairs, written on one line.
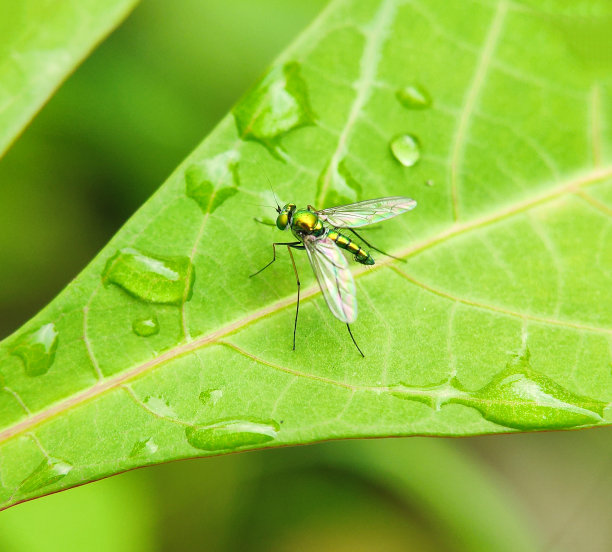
{"points": [[282, 221]]}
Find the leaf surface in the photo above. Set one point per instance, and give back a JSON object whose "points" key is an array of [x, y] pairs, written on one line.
{"points": [[491, 115], [41, 42]]}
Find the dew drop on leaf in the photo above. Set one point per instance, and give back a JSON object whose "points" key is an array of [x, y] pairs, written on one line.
{"points": [[414, 96], [211, 396], [145, 447], [165, 280], [523, 399], [231, 434], [406, 149], [37, 349], [278, 105], [213, 181], [47, 472], [160, 406], [145, 327]]}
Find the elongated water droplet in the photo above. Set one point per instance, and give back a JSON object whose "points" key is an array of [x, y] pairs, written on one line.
{"points": [[231, 434], [211, 182], [146, 447], [211, 396], [165, 280], [145, 327], [276, 106], [414, 96], [521, 398], [406, 149], [517, 397], [160, 406], [337, 184], [47, 472], [37, 349]]}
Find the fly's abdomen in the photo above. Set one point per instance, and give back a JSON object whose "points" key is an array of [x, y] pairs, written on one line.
{"points": [[361, 255]]}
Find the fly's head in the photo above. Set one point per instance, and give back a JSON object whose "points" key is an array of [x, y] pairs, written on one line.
{"points": [[285, 216]]}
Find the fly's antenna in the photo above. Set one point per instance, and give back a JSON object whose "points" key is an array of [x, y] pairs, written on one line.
{"points": [[278, 207]]}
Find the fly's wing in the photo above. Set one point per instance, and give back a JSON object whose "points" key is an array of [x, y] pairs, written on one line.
{"points": [[334, 277], [366, 212]]}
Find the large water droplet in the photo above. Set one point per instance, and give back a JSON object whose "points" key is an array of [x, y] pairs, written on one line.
{"points": [[517, 397], [231, 434], [146, 447], [160, 406], [211, 396], [414, 96], [278, 104], [47, 472], [213, 181], [37, 349], [337, 185], [521, 398], [145, 327], [166, 280], [406, 149]]}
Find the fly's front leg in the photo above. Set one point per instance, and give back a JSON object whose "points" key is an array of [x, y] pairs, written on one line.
{"points": [[297, 279], [288, 244]]}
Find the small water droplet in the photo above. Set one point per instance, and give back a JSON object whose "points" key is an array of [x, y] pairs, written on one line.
{"points": [[429, 182], [146, 447], [145, 327], [406, 149], [37, 349], [277, 105], [47, 472], [414, 96], [211, 396], [165, 280], [160, 406], [231, 434], [213, 181]]}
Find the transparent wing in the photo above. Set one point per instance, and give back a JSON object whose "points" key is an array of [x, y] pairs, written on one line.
{"points": [[366, 212], [334, 277]]}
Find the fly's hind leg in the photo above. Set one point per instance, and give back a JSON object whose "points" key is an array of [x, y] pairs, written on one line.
{"points": [[351, 334], [375, 248]]}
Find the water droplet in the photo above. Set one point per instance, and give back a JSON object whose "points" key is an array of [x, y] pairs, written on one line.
{"points": [[521, 398], [517, 397], [277, 105], [406, 149], [160, 406], [165, 280], [145, 447], [429, 182], [231, 434], [414, 96], [211, 396], [213, 181], [145, 327], [338, 185], [37, 349], [47, 472]]}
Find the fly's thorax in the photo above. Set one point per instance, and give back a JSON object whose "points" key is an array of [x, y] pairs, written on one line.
{"points": [[307, 222], [360, 254]]}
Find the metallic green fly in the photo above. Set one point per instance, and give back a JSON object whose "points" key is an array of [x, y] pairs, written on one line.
{"points": [[317, 232]]}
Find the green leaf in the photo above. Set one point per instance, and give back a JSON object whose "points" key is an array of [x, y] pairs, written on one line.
{"points": [[498, 321], [41, 42]]}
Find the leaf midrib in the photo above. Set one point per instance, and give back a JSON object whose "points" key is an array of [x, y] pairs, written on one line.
{"points": [[101, 387]]}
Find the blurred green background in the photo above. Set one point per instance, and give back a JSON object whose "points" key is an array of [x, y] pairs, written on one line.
{"points": [[102, 145]]}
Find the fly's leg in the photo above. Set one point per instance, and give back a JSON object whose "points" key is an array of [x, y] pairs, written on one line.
{"points": [[374, 248], [351, 334], [288, 244], [297, 279]]}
